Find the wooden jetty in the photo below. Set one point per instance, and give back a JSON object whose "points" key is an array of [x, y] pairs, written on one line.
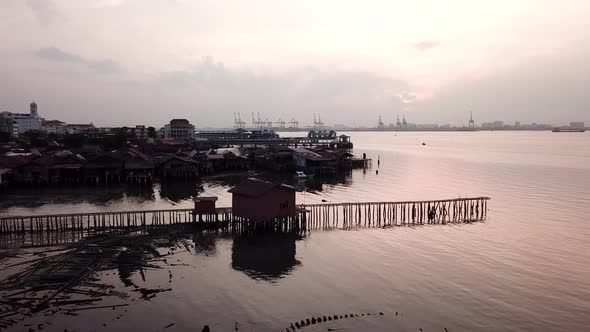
{"points": [[310, 216], [293, 142], [383, 214]]}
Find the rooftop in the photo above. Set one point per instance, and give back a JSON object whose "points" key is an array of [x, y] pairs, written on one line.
{"points": [[255, 187], [204, 198]]}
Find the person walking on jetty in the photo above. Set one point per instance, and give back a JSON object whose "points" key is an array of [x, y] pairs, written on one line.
{"points": [[431, 215]]}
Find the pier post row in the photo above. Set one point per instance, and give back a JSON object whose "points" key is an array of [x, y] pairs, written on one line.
{"points": [[287, 216]]}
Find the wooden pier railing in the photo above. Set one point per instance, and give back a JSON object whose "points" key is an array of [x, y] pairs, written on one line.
{"points": [[311, 216], [381, 214]]}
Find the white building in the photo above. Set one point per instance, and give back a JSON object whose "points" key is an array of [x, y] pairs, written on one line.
{"points": [[139, 132], [179, 129], [76, 128], [54, 127], [8, 126], [493, 125], [24, 121]]}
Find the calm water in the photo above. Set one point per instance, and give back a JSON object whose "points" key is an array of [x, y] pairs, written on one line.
{"points": [[525, 269]]}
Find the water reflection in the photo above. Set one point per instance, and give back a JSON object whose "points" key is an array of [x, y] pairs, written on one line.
{"points": [[178, 190], [206, 242], [143, 193], [317, 183], [265, 256], [35, 197]]}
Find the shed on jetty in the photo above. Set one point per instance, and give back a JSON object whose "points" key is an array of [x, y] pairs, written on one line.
{"points": [[204, 204], [261, 200]]}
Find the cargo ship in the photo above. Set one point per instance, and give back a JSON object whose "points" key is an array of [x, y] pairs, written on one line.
{"points": [[568, 130]]}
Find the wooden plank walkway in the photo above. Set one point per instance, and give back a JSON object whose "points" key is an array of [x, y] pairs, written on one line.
{"points": [[310, 216], [382, 214]]}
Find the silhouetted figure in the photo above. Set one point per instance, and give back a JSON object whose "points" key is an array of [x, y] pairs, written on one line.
{"points": [[364, 155], [377, 172], [431, 215], [206, 329]]}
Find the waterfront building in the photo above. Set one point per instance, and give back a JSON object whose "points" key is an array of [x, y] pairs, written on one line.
{"points": [[261, 200], [308, 160], [427, 126], [22, 122], [179, 129], [178, 166], [104, 167], [139, 167], [577, 125], [8, 125], [139, 132], [493, 125], [15, 167], [62, 167], [54, 127], [204, 205], [77, 128], [4, 175]]}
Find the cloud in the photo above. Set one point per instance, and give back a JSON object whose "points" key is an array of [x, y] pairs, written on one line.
{"points": [[426, 45], [550, 90], [106, 3], [55, 54], [337, 94], [46, 11], [407, 98]]}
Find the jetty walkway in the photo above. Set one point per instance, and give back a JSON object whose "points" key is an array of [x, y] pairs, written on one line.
{"points": [[310, 216]]}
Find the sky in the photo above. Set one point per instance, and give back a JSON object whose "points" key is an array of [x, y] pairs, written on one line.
{"points": [[128, 62]]}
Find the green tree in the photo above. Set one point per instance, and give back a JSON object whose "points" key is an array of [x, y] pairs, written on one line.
{"points": [[36, 137], [116, 140], [52, 137], [5, 137], [151, 132], [74, 140]]}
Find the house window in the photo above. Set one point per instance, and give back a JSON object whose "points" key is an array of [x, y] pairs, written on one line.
{"points": [[285, 205]]}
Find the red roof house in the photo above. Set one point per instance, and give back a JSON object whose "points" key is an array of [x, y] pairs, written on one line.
{"points": [[261, 200]]}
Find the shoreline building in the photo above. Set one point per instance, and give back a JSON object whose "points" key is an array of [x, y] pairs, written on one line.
{"points": [[22, 122], [77, 128], [9, 126], [54, 127], [138, 132], [261, 200], [493, 125], [179, 129]]}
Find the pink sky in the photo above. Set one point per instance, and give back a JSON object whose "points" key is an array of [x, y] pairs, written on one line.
{"points": [[119, 62]]}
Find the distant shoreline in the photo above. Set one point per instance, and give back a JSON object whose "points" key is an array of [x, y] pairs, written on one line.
{"points": [[414, 130]]}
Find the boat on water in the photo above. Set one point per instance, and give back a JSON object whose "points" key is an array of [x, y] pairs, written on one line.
{"points": [[301, 175], [568, 130]]}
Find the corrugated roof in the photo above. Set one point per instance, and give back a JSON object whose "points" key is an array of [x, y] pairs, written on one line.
{"points": [[255, 187], [215, 157], [310, 155], [14, 161], [177, 157], [67, 166]]}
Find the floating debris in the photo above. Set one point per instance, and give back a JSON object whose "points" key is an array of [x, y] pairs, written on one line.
{"points": [[67, 280]]}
